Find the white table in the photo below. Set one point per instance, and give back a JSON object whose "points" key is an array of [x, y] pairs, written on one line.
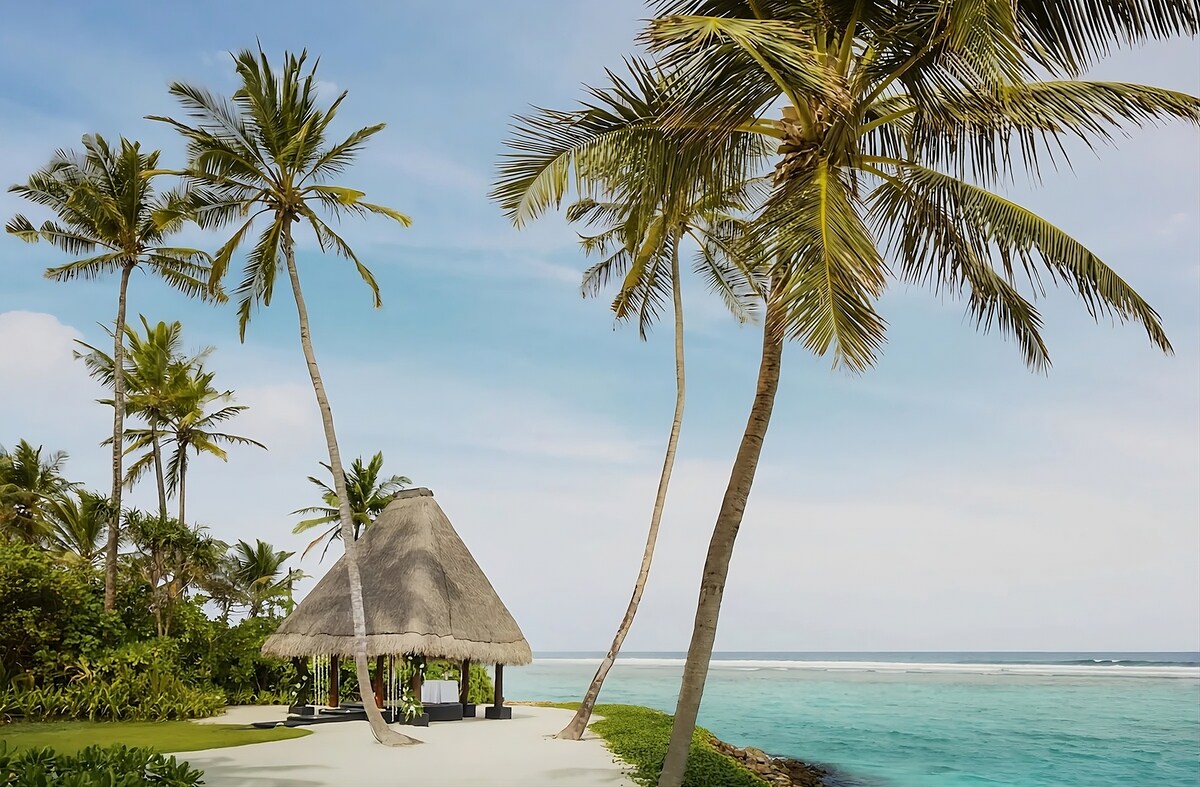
{"points": [[438, 691]]}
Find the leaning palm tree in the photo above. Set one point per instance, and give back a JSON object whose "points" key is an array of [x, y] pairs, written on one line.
{"points": [[157, 374], [369, 495], [649, 189], [30, 483], [896, 121], [266, 154], [105, 202]]}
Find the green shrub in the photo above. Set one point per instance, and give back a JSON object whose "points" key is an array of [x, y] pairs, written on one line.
{"points": [[639, 736], [95, 766], [137, 681], [53, 613], [230, 658]]}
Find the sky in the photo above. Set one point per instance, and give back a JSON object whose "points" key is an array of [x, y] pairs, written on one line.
{"points": [[947, 499]]}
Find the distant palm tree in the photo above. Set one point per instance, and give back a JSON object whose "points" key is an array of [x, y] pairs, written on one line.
{"points": [[266, 154], [156, 374], [369, 495], [105, 201], [29, 486], [650, 188], [186, 425], [258, 572], [78, 524]]}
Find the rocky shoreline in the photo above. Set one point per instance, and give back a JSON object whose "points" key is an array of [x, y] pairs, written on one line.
{"points": [[778, 771]]}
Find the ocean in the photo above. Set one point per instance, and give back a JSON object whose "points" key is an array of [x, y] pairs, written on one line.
{"points": [[927, 719]]}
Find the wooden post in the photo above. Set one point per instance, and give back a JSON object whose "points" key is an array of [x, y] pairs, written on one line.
{"points": [[464, 681], [379, 684], [335, 689], [498, 711]]}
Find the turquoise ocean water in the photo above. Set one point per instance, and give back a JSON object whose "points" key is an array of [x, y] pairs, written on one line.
{"points": [[929, 719]]}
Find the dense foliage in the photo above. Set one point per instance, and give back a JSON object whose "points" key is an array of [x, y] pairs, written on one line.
{"points": [[95, 766], [639, 736], [62, 656]]}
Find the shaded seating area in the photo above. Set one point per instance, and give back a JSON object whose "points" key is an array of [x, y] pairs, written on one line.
{"points": [[425, 598]]}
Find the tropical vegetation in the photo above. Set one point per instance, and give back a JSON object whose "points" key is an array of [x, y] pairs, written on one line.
{"points": [[107, 207], [94, 766]]}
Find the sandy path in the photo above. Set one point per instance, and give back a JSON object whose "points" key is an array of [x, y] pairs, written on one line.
{"points": [[519, 751]]}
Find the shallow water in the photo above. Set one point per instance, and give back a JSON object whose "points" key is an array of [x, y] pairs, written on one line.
{"points": [[930, 720]]}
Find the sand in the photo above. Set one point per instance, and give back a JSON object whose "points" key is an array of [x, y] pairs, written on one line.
{"points": [[517, 751]]}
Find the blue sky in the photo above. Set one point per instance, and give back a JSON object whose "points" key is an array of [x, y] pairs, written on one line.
{"points": [[947, 499]]}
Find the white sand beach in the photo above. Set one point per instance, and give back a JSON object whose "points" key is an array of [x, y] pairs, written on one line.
{"points": [[520, 751]]}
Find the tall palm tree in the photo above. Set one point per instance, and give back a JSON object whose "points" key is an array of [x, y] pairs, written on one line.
{"points": [[656, 188], [78, 523], [369, 495], [266, 154], [105, 202], [29, 485], [156, 375], [897, 119]]}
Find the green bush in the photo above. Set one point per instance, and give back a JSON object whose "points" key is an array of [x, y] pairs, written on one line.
{"points": [[137, 681], [53, 613], [95, 766], [639, 736], [230, 658]]}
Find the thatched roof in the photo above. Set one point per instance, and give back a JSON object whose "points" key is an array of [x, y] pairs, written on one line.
{"points": [[424, 594]]}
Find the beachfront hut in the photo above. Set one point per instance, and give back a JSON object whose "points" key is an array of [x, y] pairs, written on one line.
{"points": [[424, 596]]}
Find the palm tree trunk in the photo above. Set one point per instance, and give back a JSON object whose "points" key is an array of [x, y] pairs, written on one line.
{"points": [[720, 550], [158, 468], [118, 479], [574, 731], [379, 727], [182, 481]]}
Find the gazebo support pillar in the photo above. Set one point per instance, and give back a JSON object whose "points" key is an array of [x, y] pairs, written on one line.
{"points": [[335, 689], [377, 685], [464, 690], [497, 710]]}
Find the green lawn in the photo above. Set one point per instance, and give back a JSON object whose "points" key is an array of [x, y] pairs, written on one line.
{"points": [[162, 736], [639, 736]]}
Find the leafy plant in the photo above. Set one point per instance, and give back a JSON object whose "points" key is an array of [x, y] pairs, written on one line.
{"points": [[639, 736], [95, 766]]}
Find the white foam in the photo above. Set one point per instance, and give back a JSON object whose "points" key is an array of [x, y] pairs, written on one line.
{"points": [[1099, 669]]}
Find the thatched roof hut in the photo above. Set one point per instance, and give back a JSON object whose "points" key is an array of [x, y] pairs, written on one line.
{"points": [[424, 595]]}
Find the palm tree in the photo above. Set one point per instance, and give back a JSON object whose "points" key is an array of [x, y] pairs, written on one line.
{"points": [[78, 523], [189, 426], [266, 154], [896, 120], [29, 486], [657, 187], [105, 202], [369, 495], [255, 570], [156, 374]]}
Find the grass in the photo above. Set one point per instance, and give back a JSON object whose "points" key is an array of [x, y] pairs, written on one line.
{"points": [[639, 736], [68, 737]]}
